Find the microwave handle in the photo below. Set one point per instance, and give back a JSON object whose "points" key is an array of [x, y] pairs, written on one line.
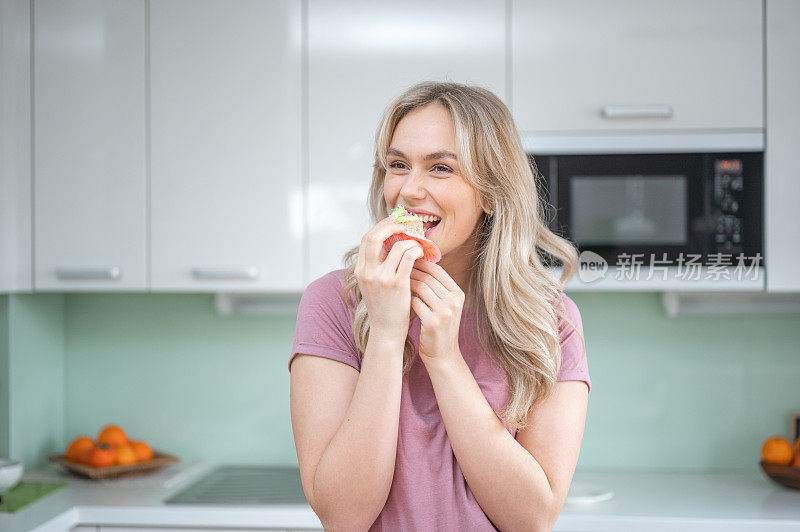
{"points": [[636, 111]]}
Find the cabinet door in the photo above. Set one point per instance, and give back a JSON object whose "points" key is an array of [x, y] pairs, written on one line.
{"points": [[363, 54], [781, 173], [226, 182], [105, 528], [89, 145], [621, 65], [15, 148]]}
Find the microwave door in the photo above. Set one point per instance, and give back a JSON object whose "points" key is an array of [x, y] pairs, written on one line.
{"points": [[647, 207]]}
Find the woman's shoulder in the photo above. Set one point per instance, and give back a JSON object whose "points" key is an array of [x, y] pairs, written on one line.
{"points": [[570, 310], [570, 307], [574, 364], [327, 282], [324, 322], [328, 287]]}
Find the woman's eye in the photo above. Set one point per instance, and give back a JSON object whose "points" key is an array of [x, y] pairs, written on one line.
{"points": [[397, 164], [441, 168]]}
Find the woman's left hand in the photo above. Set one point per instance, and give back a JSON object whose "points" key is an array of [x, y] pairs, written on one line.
{"points": [[439, 307]]}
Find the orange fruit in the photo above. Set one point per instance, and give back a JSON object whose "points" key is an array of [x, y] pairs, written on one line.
{"points": [[113, 436], [125, 455], [83, 457], [79, 448], [777, 450], [142, 450], [796, 462], [102, 456]]}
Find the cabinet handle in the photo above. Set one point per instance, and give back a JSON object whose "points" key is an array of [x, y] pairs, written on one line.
{"points": [[88, 274], [243, 273], [636, 111]]}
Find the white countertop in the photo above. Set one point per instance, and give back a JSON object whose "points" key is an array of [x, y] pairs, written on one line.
{"points": [[658, 501]]}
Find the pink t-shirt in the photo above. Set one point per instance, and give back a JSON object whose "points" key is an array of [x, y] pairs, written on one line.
{"points": [[429, 491]]}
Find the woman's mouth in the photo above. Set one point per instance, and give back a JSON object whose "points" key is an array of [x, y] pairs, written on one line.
{"points": [[429, 227]]}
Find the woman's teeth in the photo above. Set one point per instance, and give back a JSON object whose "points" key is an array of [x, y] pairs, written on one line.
{"points": [[427, 218], [430, 226]]}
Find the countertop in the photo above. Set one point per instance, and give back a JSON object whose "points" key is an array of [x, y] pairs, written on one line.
{"points": [[656, 501]]}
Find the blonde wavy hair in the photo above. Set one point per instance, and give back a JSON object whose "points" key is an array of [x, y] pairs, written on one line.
{"points": [[511, 289]]}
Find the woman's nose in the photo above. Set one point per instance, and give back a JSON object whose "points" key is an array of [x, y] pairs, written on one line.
{"points": [[414, 185]]}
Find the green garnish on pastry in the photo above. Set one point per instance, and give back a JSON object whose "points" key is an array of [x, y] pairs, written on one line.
{"points": [[402, 215]]}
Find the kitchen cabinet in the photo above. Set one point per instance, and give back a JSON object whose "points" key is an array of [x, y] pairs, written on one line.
{"points": [[15, 148], [361, 55], [656, 501], [89, 186], [616, 65], [225, 177], [174, 529], [781, 173]]}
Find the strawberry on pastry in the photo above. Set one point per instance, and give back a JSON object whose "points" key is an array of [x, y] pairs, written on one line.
{"points": [[413, 231]]}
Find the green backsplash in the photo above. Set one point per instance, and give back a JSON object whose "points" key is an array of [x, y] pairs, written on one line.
{"points": [[668, 393], [32, 367]]}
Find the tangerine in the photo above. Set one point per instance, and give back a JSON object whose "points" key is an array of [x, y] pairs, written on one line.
{"points": [[113, 436], [83, 457], [126, 455], [102, 456], [777, 450], [79, 448], [142, 450]]}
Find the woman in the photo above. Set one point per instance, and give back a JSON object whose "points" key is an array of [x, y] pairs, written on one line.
{"points": [[443, 396]]}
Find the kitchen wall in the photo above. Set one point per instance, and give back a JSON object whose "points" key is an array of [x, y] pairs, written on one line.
{"points": [[668, 393], [32, 363]]}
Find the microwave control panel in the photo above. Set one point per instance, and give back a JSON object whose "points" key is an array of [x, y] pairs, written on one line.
{"points": [[728, 196]]}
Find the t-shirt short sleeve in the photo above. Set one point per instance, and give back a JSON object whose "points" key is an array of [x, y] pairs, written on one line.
{"points": [[574, 365], [324, 323]]}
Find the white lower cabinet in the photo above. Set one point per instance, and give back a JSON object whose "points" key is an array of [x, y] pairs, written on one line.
{"points": [[84, 528], [174, 529]]}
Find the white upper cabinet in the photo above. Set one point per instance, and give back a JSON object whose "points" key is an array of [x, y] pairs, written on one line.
{"points": [[616, 65], [15, 148], [89, 170], [226, 180], [362, 54], [781, 173]]}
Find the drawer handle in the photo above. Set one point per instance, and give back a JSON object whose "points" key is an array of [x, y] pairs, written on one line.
{"points": [[243, 273], [88, 274], [636, 111]]}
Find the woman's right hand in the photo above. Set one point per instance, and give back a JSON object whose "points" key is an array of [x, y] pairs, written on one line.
{"points": [[385, 279]]}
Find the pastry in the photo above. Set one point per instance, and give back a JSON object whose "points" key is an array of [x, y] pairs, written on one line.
{"points": [[413, 231]]}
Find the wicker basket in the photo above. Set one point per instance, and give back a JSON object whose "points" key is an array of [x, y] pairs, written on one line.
{"points": [[785, 475], [158, 461]]}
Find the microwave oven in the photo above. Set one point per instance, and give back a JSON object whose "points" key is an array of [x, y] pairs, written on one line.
{"points": [[667, 205]]}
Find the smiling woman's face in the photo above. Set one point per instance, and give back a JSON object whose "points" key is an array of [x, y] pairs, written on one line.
{"points": [[423, 174]]}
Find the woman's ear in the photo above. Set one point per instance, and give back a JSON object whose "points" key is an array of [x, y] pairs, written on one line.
{"points": [[486, 207]]}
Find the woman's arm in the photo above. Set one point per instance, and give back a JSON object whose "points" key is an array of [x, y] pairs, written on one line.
{"points": [[345, 426], [521, 485]]}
